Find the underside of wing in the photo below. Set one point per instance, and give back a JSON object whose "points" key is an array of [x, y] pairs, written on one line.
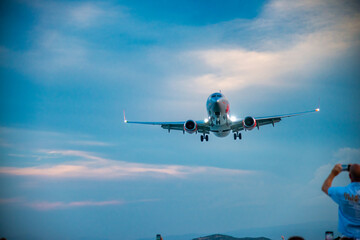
{"points": [[237, 126], [198, 126], [201, 127], [287, 115], [261, 121], [265, 121]]}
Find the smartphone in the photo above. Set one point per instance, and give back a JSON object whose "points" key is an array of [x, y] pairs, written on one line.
{"points": [[329, 235], [345, 167]]}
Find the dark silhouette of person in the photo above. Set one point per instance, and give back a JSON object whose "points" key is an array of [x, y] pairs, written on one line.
{"points": [[296, 238]]}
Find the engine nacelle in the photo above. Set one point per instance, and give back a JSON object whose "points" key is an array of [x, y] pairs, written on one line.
{"points": [[249, 123], [190, 126]]}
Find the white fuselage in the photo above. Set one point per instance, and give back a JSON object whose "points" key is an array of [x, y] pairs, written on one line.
{"points": [[218, 109]]}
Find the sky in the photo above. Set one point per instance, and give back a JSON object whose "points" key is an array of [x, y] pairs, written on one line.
{"points": [[70, 168]]}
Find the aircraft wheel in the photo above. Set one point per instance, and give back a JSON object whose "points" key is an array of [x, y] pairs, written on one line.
{"points": [[202, 138], [235, 136], [207, 137], [239, 136]]}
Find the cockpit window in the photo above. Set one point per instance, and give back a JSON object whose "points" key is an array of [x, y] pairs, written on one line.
{"points": [[216, 95]]}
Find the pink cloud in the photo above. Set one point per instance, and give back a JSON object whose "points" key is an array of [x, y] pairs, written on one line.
{"points": [[63, 205], [74, 153], [46, 205], [9, 200], [92, 166]]}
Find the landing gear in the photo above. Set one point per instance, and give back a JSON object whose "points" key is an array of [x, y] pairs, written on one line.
{"points": [[237, 135], [204, 137]]}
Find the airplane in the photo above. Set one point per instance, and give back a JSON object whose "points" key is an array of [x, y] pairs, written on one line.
{"points": [[219, 121]]}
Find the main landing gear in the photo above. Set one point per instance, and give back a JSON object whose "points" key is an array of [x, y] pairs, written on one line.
{"points": [[237, 135], [206, 137]]}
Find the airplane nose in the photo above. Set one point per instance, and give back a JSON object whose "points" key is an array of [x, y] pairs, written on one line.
{"points": [[217, 107]]}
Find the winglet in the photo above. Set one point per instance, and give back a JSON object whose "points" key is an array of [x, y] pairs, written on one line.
{"points": [[125, 121]]}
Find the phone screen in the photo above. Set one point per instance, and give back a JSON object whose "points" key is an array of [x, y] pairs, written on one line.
{"points": [[329, 235]]}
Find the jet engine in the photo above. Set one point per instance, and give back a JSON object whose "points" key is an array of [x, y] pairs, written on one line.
{"points": [[249, 123], [190, 126]]}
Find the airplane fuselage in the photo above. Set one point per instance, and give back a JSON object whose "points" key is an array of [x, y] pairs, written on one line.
{"points": [[218, 110]]}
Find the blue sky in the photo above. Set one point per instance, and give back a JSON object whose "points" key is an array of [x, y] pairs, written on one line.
{"points": [[70, 168]]}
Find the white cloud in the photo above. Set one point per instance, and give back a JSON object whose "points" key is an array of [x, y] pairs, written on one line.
{"points": [[91, 166], [348, 155], [85, 15], [46, 205], [90, 143], [82, 154], [56, 54], [343, 156], [10, 131], [22, 139], [58, 45], [311, 193], [314, 33], [63, 205], [55, 205], [77, 14], [287, 42]]}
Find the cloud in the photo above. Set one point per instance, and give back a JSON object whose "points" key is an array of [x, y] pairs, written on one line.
{"points": [[46, 205], [60, 57], [82, 154], [281, 48], [55, 205], [10, 131], [343, 156], [347, 155], [63, 205], [10, 200], [282, 60], [21, 139], [4, 143], [311, 193], [288, 40], [90, 166], [242, 67], [60, 43], [77, 14], [91, 143], [85, 15]]}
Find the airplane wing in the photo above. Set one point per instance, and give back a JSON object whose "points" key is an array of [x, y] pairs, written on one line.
{"points": [[260, 121], [202, 127]]}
